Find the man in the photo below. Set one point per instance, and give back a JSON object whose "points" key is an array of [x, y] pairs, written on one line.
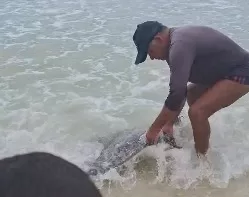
{"points": [[216, 66]]}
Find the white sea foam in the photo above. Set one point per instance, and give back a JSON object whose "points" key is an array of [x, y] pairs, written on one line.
{"points": [[67, 76]]}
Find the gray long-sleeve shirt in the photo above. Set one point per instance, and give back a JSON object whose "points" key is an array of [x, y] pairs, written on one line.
{"points": [[201, 55]]}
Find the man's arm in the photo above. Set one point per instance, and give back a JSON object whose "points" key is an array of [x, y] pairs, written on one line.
{"points": [[165, 116], [181, 59]]}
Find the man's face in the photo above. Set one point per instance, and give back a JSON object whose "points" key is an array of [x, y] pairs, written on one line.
{"points": [[158, 48]]}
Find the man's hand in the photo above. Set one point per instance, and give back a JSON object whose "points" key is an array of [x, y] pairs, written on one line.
{"points": [[165, 117], [151, 137], [168, 129]]}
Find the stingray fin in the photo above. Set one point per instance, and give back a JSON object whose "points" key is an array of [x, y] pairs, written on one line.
{"points": [[170, 140]]}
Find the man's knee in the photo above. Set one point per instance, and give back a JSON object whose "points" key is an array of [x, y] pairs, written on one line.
{"points": [[190, 93], [196, 112], [194, 91]]}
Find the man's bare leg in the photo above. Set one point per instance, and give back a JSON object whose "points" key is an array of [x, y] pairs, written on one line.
{"points": [[194, 92], [221, 95]]}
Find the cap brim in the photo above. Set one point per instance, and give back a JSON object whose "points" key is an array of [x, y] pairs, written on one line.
{"points": [[141, 57]]}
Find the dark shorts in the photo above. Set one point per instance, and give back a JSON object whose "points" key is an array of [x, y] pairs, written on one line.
{"points": [[240, 79]]}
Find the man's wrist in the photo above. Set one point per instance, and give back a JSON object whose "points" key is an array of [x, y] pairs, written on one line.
{"points": [[160, 121], [154, 129], [166, 116], [170, 115]]}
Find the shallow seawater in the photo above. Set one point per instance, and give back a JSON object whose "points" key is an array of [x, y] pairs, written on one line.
{"points": [[67, 78]]}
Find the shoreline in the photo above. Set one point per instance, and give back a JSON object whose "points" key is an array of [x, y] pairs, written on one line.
{"points": [[237, 187]]}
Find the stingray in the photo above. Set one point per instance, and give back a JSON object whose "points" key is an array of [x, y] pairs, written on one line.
{"points": [[122, 148]]}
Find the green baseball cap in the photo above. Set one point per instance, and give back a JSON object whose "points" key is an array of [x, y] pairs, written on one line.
{"points": [[142, 37]]}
